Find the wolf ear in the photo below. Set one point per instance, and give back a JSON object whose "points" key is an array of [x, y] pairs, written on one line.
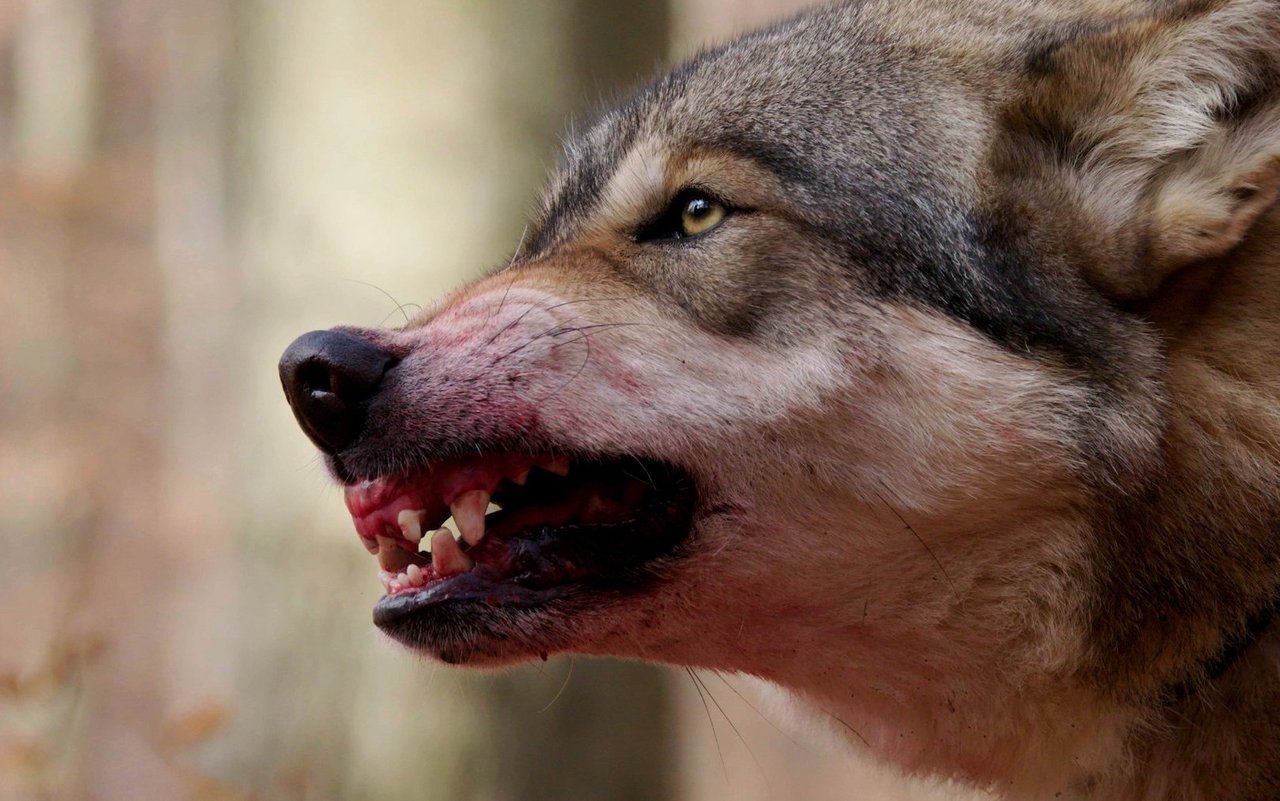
{"points": [[1211, 199], [1161, 131]]}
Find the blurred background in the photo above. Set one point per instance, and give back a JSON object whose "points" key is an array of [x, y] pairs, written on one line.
{"points": [[185, 185]]}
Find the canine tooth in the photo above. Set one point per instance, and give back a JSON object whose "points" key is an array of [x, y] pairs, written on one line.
{"points": [[558, 465], [415, 575], [410, 522], [468, 514], [446, 556]]}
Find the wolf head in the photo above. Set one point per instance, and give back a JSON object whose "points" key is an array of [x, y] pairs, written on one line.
{"points": [[915, 356]]}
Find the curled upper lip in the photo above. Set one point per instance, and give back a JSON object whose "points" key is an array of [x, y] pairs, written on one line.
{"points": [[395, 515]]}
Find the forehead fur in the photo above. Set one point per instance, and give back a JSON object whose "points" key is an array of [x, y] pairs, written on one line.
{"points": [[849, 96], [854, 86], [843, 107], [804, 106]]}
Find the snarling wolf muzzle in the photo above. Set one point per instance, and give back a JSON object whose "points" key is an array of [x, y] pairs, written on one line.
{"points": [[569, 521], [918, 357]]}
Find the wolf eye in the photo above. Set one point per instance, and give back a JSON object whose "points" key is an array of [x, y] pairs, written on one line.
{"points": [[691, 214], [700, 214]]}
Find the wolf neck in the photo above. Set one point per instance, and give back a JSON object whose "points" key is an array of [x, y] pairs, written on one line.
{"points": [[1183, 647], [1235, 648], [937, 673], [1207, 531], [949, 701], [968, 716], [1177, 639]]}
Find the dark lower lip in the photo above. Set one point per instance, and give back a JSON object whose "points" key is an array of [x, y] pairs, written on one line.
{"points": [[393, 611], [462, 631]]}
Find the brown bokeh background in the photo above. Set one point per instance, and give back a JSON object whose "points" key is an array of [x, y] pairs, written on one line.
{"points": [[185, 185]]}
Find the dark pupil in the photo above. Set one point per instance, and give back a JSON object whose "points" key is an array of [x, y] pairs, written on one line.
{"points": [[698, 207]]}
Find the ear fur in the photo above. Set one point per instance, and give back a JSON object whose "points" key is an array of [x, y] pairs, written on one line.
{"points": [[1211, 198], [1161, 130]]}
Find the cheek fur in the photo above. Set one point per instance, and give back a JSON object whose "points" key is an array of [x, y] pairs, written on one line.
{"points": [[911, 404]]}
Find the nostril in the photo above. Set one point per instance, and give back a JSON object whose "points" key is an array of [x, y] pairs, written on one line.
{"points": [[327, 376], [315, 377]]}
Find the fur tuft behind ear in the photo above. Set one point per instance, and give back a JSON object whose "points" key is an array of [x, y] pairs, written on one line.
{"points": [[1212, 197], [1161, 130]]}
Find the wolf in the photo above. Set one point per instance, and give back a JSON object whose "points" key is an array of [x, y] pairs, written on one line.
{"points": [[920, 357]]}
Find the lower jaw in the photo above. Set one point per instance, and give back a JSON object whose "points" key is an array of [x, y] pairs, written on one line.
{"points": [[475, 631], [481, 620], [476, 587]]}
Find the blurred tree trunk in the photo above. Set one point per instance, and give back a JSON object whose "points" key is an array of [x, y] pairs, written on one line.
{"points": [[698, 23], [55, 68], [587, 730], [203, 361], [80, 451], [616, 46]]}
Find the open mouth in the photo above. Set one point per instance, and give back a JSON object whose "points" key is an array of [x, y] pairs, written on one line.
{"points": [[523, 529]]}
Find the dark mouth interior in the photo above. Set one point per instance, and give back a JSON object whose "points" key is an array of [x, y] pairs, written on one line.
{"points": [[562, 521]]}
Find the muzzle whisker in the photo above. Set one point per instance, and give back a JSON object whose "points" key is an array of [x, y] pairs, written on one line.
{"points": [[760, 767], [587, 358], [923, 544], [563, 685], [711, 721], [400, 307], [755, 709]]}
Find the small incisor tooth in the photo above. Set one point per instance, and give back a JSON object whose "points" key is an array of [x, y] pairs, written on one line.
{"points": [[468, 514], [410, 522], [415, 575], [446, 556]]}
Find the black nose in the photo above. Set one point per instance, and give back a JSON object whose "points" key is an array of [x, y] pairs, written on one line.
{"points": [[328, 376]]}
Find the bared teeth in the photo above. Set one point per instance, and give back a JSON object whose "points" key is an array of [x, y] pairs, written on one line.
{"points": [[386, 579], [414, 574], [410, 522], [468, 514], [556, 464], [446, 556]]}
